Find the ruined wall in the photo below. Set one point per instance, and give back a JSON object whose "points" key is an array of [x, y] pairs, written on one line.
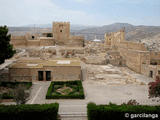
{"points": [[46, 41], [22, 41], [113, 57], [115, 38], [133, 60], [132, 45], [76, 41], [138, 58], [108, 37], [32, 43], [152, 64], [154, 55], [133, 53], [147, 69], [18, 41]]}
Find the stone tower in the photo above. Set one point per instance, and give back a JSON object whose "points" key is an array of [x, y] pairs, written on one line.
{"points": [[122, 32], [61, 32]]}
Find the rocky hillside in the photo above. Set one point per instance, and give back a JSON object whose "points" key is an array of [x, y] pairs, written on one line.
{"points": [[133, 33], [153, 43]]}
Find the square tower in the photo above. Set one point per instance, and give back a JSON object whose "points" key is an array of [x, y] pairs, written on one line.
{"points": [[61, 32]]}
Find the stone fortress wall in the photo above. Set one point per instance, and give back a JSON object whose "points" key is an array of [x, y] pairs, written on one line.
{"points": [[135, 55], [119, 51], [17, 41], [61, 36]]}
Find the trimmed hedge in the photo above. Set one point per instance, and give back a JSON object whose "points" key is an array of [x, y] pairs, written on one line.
{"points": [[118, 112], [12, 85], [77, 88], [29, 112]]}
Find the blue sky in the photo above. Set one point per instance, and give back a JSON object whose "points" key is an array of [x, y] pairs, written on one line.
{"points": [[85, 12]]}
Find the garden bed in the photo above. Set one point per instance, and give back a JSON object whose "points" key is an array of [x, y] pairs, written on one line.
{"points": [[7, 88], [65, 90]]}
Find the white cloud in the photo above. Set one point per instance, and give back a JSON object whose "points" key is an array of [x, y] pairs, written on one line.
{"points": [[22, 12]]}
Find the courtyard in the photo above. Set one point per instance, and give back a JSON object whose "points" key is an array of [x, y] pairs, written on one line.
{"points": [[102, 84], [100, 91]]}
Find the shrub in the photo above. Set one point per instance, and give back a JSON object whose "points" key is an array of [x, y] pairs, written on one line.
{"points": [[20, 95], [76, 86], [117, 112], [154, 88], [7, 95], [29, 112], [13, 85]]}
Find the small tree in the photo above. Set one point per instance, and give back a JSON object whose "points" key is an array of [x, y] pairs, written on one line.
{"points": [[6, 49], [21, 95], [154, 88]]}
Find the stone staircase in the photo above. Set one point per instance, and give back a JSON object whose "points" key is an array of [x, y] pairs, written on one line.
{"points": [[72, 111], [73, 116]]}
